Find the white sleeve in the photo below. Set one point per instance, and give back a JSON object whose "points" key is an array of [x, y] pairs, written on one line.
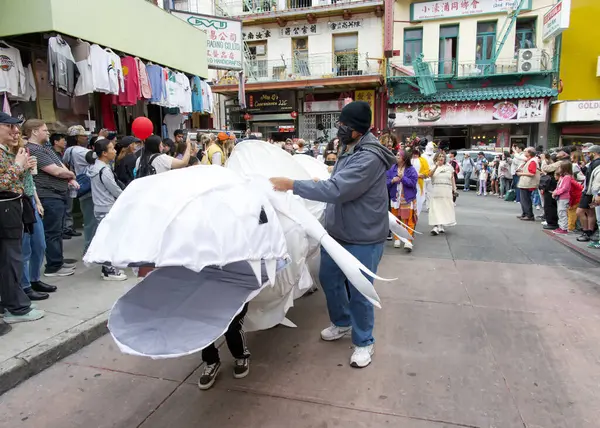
{"points": [[163, 162], [216, 158]]}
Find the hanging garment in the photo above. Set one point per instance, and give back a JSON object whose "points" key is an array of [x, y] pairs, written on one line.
{"points": [[100, 64], [173, 122], [185, 103], [61, 65], [211, 100], [205, 99], [108, 117], [83, 61], [196, 86], [115, 73], [144, 81], [131, 81], [173, 95], [30, 93], [12, 73], [157, 82]]}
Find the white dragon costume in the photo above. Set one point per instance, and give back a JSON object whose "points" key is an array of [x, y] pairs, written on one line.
{"points": [[219, 237]]}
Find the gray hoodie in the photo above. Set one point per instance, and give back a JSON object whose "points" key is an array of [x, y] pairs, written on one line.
{"points": [[356, 194], [105, 190]]}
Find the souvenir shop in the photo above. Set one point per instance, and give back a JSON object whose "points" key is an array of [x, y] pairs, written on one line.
{"points": [[70, 79]]}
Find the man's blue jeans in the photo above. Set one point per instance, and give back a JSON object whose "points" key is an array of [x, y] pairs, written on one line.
{"points": [[34, 246], [467, 180], [517, 190], [357, 311], [54, 214], [536, 199], [86, 203]]}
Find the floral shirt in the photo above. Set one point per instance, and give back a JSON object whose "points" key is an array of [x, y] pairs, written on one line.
{"points": [[12, 176]]}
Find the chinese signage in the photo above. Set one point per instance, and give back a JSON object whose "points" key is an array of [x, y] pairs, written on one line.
{"points": [[339, 26], [471, 113], [369, 97], [556, 20], [576, 111], [223, 39], [271, 102], [253, 35], [439, 9], [300, 30]]}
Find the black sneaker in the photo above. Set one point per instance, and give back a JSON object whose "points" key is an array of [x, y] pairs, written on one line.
{"points": [[4, 328], [241, 368], [209, 375], [72, 232]]}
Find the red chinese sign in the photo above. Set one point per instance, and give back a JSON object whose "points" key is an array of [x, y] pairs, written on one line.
{"points": [[438, 9]]}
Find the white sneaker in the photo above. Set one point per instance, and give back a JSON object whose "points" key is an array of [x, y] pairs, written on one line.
{"points": [[112, 274], [435, 231], [32, 315], [60, 272], [408, 247], [441, 229], [361, 356], [333, 332], [544, 223], [397, 243]]}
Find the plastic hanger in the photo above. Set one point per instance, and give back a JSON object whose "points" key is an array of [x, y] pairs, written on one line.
{"points": [[2, 42]]}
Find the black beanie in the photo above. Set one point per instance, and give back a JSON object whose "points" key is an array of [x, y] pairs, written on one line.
{"points": [[357, 115]]}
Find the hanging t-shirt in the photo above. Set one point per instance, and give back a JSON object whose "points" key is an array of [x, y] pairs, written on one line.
{"points": [[131, 80], [205, 102], [210, 98], [30, 93], [173, 93], [100, 63], [145, 89], [61, 65], [115, 73], [196, 87], [185, 102], [81, 53], [12, 73], [173, 122], [157, 82]]}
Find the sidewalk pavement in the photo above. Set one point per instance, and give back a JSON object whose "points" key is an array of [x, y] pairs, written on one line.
{"points": [[76, 315], [570, 241]]}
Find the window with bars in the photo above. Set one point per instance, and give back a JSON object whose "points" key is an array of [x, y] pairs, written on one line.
{"points": [[525, 34], [300, 56], [413, 44], [345, 54], [310, 122], [258, 63]]}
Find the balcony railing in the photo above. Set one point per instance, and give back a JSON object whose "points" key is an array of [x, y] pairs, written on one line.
{"points": [[257, 7], [452, 69], [319, 66]]}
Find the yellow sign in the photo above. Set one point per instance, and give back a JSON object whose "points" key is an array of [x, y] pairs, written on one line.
{"points": [[369, 97]]}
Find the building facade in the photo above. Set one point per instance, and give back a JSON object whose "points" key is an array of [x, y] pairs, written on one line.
{"points": [[472, 73], [576, 114]]}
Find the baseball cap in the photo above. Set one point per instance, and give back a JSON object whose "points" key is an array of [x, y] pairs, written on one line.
{"points": [[126, 141], [77, 130], [7, 119], [594, 149], [222, 136]]}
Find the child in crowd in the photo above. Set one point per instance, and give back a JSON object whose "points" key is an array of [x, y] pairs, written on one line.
{"points": [[483, 178], [574, 199], [562, 194], [494, 178]]}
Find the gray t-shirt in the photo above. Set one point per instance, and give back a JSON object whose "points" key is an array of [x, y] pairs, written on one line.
{"points": [[74, 159]]}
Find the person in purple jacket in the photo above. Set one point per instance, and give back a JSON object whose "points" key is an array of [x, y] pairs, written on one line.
{"points": [[402, 181]]}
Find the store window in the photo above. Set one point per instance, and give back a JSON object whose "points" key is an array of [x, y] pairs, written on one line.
{"points": [[257, 65], [345, 54], [486, 42], [413, 44], [525, 37], [300, 56], [448, 49]]}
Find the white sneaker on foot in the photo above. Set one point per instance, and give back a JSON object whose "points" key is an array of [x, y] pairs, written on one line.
{"points": [[32, 315], [408, 247], [361, 356], [441, 229], [333, 332], [397, 243], [435, 231], [112, 274], [60, 272]]}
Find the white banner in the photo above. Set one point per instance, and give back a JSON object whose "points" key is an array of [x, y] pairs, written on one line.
{"points": [[460, 8]]}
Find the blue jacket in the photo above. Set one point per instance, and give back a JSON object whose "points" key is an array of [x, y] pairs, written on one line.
{"points": [[409, 183], [356, 194]]}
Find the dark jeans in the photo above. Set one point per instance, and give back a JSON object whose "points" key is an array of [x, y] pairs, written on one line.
{"points": [[12, 295], [54, 214], [234, 336], [550, 209], [467, 180], [526, 204], [515, 182]]}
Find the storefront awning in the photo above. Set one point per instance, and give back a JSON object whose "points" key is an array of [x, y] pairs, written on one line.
{"points": [[134, 27], [472, 94]]}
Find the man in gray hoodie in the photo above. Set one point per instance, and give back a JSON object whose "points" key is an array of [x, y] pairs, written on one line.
{"points": [[357, 217]]}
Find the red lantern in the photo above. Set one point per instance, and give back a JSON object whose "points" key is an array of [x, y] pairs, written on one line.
{"points": [[247, 116], [142, 127], [294, 114]]}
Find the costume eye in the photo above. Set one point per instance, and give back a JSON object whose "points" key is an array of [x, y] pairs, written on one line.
{"points": [[262, 218]]}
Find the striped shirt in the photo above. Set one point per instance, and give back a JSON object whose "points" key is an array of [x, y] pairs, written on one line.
{"points": [[47, 185]]}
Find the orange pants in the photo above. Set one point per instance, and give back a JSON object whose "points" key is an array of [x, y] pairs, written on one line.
{"points": [[411, 221], [572, 213]]}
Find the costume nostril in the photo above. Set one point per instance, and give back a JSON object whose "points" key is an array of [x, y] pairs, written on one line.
{"points": [[262, 219]]}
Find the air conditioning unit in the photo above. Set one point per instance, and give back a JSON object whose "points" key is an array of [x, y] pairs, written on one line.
{"points": [[530, 60]]}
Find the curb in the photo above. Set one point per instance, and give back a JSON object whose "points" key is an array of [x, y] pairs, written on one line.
{"points": [[592, 257], [41, 356]]}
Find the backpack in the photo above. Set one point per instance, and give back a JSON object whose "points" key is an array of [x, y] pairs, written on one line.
{"points": [[85, 183], [119, 182], [150, 170]]}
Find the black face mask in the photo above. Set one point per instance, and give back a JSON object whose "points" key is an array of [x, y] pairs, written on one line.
{"points": [[329, 162], [344, 134]]}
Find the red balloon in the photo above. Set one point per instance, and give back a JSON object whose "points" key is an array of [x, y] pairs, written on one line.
{"points": [[142, 127]]}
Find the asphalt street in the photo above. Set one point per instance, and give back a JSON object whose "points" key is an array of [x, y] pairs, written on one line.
{"points": [[492, 325]]}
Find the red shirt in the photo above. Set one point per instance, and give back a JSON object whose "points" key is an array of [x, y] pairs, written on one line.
{"points": [[131, 94]]}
